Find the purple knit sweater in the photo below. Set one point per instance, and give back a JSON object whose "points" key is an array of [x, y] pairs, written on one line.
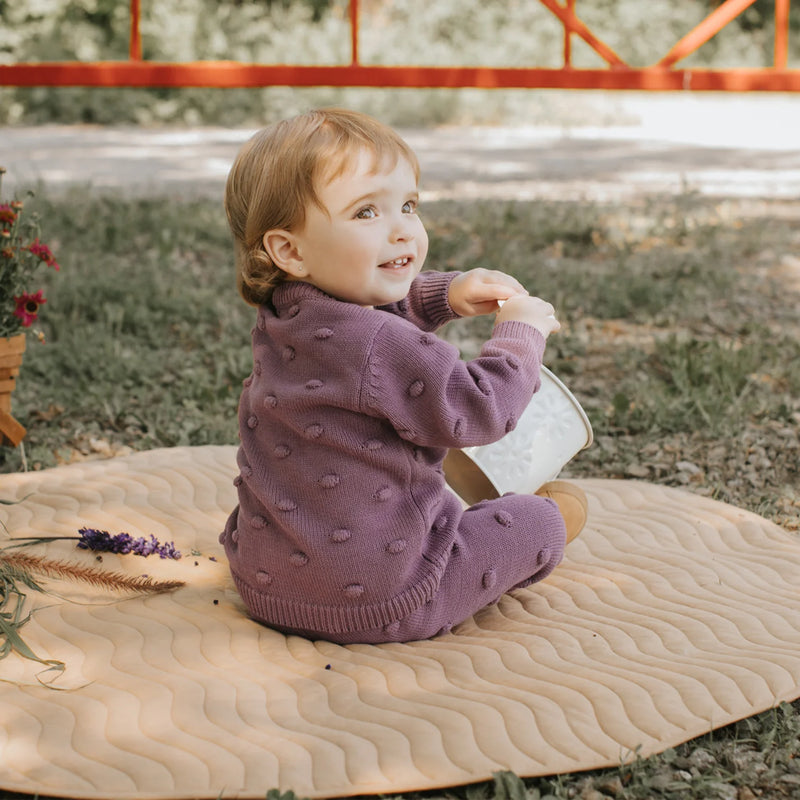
{"points": [[344, 521]]}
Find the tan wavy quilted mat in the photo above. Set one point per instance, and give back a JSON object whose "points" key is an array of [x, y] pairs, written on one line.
{"points": [[671, 615]]}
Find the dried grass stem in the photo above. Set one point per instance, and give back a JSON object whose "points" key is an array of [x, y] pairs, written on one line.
{"points": [[95, 577]]}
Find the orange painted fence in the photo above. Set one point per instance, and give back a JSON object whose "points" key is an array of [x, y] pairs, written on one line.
{"points": [[663, 75]]}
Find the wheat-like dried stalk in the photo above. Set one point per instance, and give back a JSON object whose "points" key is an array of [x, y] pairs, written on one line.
{"points": [[91, 575]]}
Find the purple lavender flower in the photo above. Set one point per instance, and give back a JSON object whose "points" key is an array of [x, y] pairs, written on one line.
{"points": [[124, 543]]}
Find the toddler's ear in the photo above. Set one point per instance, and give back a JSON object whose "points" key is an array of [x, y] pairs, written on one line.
{"points": [[282, 249]]}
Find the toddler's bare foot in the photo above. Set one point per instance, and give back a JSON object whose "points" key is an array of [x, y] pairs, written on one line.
{"points": [[571, 502]]}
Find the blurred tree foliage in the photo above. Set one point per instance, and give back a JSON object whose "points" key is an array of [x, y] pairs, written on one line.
{"points": [[493, 32], [760, 15]]}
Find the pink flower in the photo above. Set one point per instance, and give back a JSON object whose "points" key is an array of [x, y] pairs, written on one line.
{"points": [[43, 252], [28, 307]]}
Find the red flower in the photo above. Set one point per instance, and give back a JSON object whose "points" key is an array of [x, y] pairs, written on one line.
{"points": [[43, 251], [28, 307], [7, 214]]}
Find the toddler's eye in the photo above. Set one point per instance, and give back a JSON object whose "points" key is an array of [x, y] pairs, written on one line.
{"points": [[366, 213], [410, 206]]}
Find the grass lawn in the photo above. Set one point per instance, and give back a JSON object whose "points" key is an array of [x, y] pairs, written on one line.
{"points": [[681, 339]]}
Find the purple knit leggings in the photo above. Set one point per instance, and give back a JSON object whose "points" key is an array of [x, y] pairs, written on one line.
{"points": [[501, 544]]}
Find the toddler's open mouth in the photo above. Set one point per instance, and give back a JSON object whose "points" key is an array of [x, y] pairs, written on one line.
{"points": [[397, 263]]}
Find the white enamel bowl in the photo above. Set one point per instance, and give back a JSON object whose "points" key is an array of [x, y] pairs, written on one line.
{"points": [[551, 431]]}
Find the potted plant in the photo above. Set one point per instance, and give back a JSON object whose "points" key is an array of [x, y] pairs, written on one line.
{"points": [[22, 255]]}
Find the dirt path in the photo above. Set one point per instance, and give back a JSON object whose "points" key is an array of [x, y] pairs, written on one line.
{"points": [[734, 145]]}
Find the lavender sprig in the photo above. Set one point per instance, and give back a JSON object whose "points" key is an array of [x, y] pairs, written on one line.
{"points": [[124, 543]]}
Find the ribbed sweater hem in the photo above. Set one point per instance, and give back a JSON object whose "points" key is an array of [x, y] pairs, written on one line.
{"points": [[335, 619]]}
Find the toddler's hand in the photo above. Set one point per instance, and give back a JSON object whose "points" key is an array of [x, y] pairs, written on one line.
{"points": [[476, 292], [533, 310]]}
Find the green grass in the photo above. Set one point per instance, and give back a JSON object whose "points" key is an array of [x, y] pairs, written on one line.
{"points": [[681, 339], [147, 343]]}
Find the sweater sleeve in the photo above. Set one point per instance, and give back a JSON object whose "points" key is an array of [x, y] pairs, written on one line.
{"points": [[431, 397], [426, 304]]}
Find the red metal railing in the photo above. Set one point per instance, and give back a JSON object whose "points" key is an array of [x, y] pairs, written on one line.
{"points": [[663, 75]]}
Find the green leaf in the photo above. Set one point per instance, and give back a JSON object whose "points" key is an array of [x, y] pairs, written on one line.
{"points": [[275, 794], [18, 645], [509, 786]]}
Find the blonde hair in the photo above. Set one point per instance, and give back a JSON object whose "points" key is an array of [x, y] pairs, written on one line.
{"points": [[273, 179]]}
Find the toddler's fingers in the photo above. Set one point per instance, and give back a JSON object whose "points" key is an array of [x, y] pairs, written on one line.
{"points": [[494, 278], [503, 291], [505, 285], [507, 296]]}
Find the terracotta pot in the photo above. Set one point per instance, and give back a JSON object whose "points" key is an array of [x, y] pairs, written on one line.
{"points": [[11, 351]]}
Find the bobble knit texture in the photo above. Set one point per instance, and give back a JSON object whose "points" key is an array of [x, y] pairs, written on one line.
{"points": [[344, 525]]}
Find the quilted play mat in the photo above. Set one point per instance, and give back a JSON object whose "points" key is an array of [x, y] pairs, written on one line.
{"points": [[671, 615]]}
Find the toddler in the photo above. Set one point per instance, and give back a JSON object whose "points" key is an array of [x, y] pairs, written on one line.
{"points": [[345, 528]]}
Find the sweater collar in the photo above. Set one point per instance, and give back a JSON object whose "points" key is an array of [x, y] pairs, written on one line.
{"points": [[289, 293]]}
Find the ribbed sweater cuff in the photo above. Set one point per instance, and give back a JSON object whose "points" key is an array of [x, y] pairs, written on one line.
{"points": [[514, 329], [434, 297]]}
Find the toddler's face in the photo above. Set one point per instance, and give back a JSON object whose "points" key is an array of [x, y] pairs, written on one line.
{"points": [[370, 245]]}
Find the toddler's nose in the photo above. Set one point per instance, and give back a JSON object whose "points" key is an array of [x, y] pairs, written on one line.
{"points": [[402, 229]]}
